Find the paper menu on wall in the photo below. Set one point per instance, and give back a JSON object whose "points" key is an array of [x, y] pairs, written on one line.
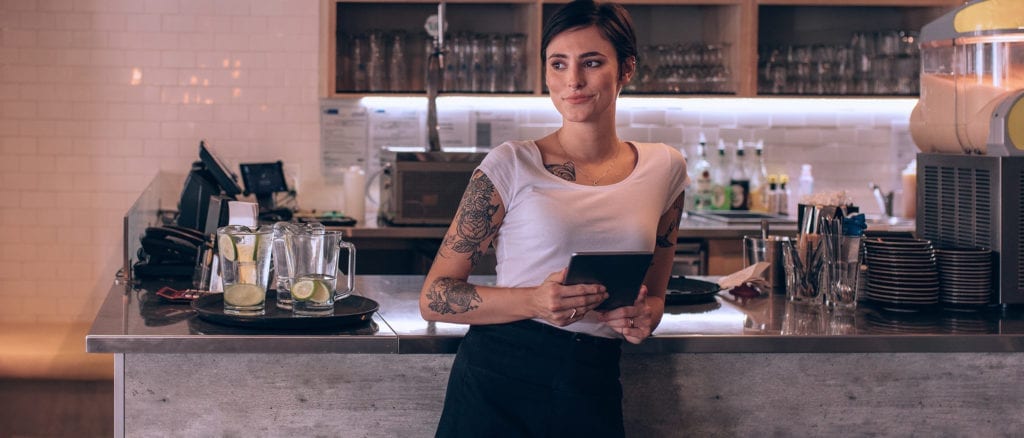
{"points": [[393, 127], [453, 128], [495, 127], [343, 136]]}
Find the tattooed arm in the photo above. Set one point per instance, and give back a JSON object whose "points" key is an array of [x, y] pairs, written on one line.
{"points": [[660, 269], [448, 296], [664, 253]]}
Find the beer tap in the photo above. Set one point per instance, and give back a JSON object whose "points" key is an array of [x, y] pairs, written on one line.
{"points": [[435, 76]]}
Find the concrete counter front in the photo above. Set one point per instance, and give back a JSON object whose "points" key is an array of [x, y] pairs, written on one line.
{"points": [[731, 367]]}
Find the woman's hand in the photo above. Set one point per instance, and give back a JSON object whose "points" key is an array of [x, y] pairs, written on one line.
{"points": [[562, 305], [632, 322]]}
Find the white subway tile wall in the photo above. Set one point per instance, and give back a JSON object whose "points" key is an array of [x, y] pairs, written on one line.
{"points": [[97, 96]]}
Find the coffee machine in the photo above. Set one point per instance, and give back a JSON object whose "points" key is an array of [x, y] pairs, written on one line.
{"points": [[969, 126]]}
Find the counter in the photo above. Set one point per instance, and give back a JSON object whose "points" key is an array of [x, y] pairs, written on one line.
{"points": [[729, 367]]}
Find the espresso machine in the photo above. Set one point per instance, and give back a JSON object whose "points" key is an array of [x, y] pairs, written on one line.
{"points": [[969, 126]]}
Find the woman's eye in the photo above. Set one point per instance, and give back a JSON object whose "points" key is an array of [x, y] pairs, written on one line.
{"points": [[592, 64], [557, 65]]}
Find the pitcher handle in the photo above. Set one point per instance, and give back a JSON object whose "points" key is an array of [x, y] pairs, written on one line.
{"points": [[351, 274]]}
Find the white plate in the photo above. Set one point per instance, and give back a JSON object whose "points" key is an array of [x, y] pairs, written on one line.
{"points": [[902, 291], [896, 283], [889, 271]]}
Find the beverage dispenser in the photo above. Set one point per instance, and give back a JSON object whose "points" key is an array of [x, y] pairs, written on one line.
{"points": [[969, 126]]}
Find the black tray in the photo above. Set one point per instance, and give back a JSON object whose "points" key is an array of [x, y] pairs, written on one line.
{"points": [[351, 310], [682, 290]]}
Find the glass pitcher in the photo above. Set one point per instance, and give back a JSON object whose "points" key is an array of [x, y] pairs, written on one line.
{"points": [[306, 261], [314, 269]]}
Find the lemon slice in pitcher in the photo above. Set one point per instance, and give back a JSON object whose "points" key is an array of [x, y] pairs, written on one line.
{"points": [[303, 290], [244, 295], [227, 248], [320, 292], [310, 290]]}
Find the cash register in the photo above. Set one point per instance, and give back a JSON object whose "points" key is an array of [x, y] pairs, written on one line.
{"points": [[265, 181]]}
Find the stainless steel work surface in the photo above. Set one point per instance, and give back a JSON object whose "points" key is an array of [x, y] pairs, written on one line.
{"points": [[137, 322]]}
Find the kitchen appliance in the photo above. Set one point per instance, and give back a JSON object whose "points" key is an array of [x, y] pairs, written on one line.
{"points": [[421, 187], [969, 125]]}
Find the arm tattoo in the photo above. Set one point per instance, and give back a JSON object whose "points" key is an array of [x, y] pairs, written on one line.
{"points": [[565, 171], [451, 296], [676, 214], [475, 220]]}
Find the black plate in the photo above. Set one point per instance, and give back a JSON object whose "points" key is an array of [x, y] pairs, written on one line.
{"points": [[354, 309], [682, 290]]}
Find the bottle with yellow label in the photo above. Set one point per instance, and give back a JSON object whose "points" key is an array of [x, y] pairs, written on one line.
{"points": [[759, 181]]}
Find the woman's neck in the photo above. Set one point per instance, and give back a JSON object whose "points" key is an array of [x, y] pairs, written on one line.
{"points": [[586, 143]]}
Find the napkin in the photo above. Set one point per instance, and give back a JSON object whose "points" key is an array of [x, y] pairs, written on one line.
{"points": [[751, 275]]}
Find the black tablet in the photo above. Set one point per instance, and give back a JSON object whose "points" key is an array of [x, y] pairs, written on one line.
{"points": [[621, 272]]}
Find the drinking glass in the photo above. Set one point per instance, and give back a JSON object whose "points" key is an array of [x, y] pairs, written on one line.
{"points": [[398, 72], [376, 70], [802, 270], [360, 58], [284, 261], [843, 272], [515, 55], [245, 268], [494, 62]]}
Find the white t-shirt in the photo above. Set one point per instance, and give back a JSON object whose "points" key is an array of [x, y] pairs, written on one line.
{"points": [[548, 218]]}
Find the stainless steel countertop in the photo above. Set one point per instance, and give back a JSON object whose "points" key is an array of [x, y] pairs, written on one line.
{"points": [[137, 321]]}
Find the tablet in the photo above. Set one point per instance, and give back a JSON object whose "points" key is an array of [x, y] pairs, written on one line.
{"points": [[621, 272]]}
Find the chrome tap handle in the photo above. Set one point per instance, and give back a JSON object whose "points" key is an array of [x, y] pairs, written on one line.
{"points": [[435, 77], [884, 199]]}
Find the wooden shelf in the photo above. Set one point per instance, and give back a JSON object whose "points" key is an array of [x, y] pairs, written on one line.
{"points": [[734, 24]]}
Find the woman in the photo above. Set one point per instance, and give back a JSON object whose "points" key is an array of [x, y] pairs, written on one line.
{"points": [[538, 360]]}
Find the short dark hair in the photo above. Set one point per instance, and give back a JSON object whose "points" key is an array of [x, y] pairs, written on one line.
{"points": [[611, 19]]}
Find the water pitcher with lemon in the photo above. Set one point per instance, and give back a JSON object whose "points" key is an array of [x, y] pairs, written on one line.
{"points": [[313, 263], [245, 268]]}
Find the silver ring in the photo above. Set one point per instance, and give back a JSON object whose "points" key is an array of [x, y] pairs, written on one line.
{"points": [[632, 324], [573, 313]]}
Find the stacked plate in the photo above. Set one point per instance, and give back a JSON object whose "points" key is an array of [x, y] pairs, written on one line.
{"points": [[901, 272], [965, 275]]}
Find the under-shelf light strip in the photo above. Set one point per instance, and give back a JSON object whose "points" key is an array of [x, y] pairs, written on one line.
{"points": [[773, 104]]}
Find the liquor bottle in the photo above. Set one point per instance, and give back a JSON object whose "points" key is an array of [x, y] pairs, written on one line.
{"points": [[772, 194], [702, 171], [783, 195], [758, 180], [720, 190], [739, 181]]}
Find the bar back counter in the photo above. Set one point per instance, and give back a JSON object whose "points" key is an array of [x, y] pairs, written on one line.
{"points": [[728, 367]]}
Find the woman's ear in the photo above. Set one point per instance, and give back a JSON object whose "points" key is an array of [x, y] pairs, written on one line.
{"points": [[628, 68]]}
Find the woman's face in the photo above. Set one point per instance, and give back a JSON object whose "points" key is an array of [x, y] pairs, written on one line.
{"points": [[582, 74]]}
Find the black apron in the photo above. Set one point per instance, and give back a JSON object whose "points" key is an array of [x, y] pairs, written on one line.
{"points": [[527, 379]]}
